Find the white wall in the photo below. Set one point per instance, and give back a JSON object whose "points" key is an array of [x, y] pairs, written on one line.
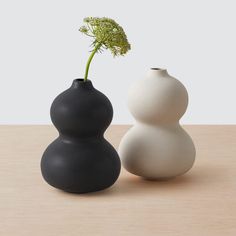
{"points": [[41, 52]]}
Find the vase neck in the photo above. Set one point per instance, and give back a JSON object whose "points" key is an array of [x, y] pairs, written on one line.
{"points": [[80, 83], [157, 72]]}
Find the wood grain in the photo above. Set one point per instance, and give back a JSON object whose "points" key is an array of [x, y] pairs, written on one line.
{"points": [[202, 202]]}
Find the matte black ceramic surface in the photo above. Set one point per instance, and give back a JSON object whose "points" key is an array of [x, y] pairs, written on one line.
{"points": [[80, 160]]}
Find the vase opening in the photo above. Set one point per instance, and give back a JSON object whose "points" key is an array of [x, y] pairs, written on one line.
{"points": [[81, 80], [81, 83], [154, 71], [155, 68]]}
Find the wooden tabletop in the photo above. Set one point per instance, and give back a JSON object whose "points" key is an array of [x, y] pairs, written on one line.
{"points": [[200, 203]]}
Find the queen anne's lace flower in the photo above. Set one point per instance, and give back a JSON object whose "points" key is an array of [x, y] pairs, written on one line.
{"points": [[106, 34]]}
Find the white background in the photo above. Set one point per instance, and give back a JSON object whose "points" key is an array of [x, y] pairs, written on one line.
{"points": [[42, 51]]}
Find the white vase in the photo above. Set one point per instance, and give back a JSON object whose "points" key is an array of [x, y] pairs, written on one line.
{"points": [[157, 147]]}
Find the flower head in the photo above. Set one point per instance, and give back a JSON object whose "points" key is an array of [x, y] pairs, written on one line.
{"points": [[106, 34]]}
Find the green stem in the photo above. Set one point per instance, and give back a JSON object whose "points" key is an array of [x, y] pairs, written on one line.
{"points": [[97, 46]]}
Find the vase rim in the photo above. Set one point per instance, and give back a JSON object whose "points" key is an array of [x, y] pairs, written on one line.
{"points": [[79, 82], [158, 69]]}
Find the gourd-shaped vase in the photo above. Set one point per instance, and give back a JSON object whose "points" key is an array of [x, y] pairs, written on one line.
{"points": [[157, 147], [80, 160]]}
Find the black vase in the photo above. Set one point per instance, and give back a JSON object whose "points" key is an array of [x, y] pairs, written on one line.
{"points": [[81, 160]]}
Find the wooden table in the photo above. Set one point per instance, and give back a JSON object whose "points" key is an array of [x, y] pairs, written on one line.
{"points": [[201, 203]]}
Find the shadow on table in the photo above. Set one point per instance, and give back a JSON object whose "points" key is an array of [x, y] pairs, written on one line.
{"points": [[128, 184]]}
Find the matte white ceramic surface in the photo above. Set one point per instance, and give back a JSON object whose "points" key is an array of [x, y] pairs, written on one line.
{"points": [[157, 147]]}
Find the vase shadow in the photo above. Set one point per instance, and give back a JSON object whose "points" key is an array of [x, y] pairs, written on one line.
{"points": [[131, 185], [195, 178]]}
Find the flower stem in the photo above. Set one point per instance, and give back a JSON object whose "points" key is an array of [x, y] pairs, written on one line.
{"points": [[97, 46]]}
